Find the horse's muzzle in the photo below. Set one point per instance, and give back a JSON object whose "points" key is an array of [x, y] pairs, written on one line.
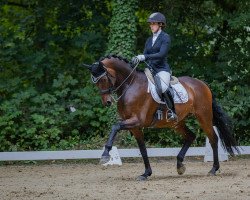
{"points": [[106, 100]]}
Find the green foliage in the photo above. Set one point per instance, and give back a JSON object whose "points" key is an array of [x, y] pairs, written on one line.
{"points": [[41, 49], [42, 44], [32, 120], [123, 28]]}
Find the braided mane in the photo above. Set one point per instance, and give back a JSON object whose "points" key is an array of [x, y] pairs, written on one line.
{"points": [[115, 56], [120, 58]]}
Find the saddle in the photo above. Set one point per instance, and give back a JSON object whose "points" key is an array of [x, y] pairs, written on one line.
{"points": [[173, 80], [177, 90]]}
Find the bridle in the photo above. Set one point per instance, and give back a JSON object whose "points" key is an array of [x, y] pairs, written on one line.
{"points": [[96, 79], [111, 90]]}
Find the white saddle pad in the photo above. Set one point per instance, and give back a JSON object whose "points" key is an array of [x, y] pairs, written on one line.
{"points": [[180, 93]]}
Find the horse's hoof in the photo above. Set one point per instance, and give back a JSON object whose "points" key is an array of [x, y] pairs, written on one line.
{"points": [[142, 178], [104, 159], [212, 172], [181, 170]]}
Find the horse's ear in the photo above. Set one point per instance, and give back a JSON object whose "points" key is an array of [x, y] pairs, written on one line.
{"points": [[89, 67]]}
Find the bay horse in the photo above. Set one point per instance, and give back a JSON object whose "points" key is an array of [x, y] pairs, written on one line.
{"points": [[136, 108]]}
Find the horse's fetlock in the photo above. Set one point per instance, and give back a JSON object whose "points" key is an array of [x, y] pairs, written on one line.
{"points": [[216, 166], [107, 150], [148, 172], [179, 159]]}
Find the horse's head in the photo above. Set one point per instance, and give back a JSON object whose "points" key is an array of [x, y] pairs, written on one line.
{"points": [[111, 74], [103, 80]]}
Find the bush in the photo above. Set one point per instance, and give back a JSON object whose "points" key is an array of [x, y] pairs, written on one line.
{"points": [[34, 121]]}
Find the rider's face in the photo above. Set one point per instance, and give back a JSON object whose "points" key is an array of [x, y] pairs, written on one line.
{"points": [[155, 27]]}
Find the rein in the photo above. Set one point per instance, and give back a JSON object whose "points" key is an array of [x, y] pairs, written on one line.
{"points": [[117, 99]]}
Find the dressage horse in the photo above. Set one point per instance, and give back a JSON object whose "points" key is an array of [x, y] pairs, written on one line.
{"points": [[137, 109]]}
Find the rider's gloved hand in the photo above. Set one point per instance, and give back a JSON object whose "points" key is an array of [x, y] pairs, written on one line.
{"points": [[138, 59], [141, 58]]}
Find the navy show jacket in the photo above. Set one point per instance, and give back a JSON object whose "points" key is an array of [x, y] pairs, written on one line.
{"points": [[156, 55]]}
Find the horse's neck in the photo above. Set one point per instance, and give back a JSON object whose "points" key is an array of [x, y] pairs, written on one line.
{"points": [[132, 79], [123, 71], [125, 75]]}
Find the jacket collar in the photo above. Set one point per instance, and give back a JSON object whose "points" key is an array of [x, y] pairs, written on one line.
{"points": [[157, 39], [157, 33]]}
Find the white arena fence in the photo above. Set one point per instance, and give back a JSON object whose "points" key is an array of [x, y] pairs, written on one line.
{"points": [[124, 153]]}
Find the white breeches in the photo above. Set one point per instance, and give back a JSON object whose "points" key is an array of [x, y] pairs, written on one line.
{"points": [[165, 80]]}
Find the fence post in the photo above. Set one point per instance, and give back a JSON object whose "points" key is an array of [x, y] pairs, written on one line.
{"points": [[115, 158]]}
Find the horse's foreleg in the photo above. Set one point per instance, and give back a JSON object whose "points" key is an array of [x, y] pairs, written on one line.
{"points": [[126, 124], [188, 137], [105, 156], [138, 134]]}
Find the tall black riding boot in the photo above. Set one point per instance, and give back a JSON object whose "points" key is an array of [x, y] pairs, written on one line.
{"points": [[171, 114]]}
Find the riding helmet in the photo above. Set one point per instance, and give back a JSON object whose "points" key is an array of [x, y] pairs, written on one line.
{"points": [[157, 17]]}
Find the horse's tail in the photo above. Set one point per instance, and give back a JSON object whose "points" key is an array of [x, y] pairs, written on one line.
{"points": [[225, 128]]}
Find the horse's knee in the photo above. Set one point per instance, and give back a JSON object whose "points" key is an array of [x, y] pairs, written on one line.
{"points": [[116, 127]]}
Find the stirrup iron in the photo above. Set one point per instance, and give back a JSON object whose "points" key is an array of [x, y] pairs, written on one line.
{"points": [[171, 116]]}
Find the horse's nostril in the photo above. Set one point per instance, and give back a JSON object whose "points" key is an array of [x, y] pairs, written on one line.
{"points": [[109, 103]]}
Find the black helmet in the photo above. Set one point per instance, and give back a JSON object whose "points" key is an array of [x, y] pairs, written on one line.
{"points": [[157, 17]]}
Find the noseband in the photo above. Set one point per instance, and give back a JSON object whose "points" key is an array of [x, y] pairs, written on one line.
{"points": [[96, 79]]}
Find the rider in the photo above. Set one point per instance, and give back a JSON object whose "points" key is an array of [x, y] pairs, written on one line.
{"points": [[155, 53]]}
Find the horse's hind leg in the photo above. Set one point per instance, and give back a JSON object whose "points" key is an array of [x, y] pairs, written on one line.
{"points": [[205, 118], [188, 137], [138, 134]]}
